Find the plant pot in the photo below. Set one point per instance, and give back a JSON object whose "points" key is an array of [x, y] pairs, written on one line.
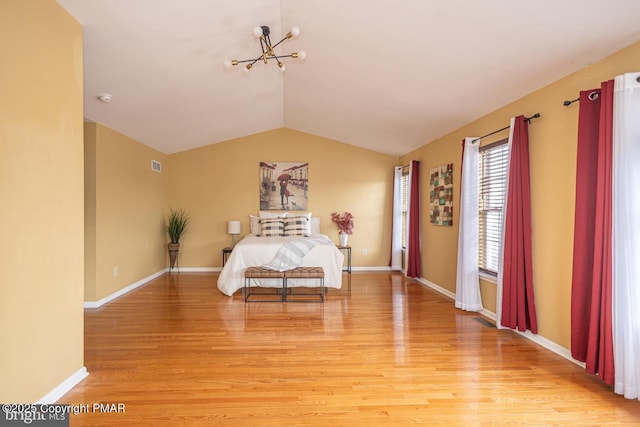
{"points": [[344, 238], [173, 254]]}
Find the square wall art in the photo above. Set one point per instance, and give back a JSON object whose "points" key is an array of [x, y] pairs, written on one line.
{"points": [[441, 195], [284, 186]]}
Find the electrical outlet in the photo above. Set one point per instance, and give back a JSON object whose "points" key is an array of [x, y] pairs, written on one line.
{"points": [[364, 252], [115, 271]]}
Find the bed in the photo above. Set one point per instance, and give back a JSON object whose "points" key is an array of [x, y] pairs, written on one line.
{"points": [[255, 250]]}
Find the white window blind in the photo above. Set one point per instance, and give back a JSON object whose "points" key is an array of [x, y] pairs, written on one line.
{"points": [[404, 183], [493, 168]]}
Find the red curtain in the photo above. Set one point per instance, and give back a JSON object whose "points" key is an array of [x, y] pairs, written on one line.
{"points": [[591, 288], [413, 244], [518, 303]]}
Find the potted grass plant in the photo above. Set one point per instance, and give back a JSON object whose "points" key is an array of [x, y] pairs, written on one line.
{"points": [[176, 226]]}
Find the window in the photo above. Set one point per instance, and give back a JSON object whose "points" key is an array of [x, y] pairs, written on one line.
{"points": [[493, 168], [404, 184]]}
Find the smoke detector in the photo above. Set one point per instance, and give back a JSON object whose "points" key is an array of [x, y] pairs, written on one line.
{"points": [[105, 97]]}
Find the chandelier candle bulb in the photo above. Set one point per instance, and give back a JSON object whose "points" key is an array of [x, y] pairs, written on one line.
{"points": [[301, 55]]}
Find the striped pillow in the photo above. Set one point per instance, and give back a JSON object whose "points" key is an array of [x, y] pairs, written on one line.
{"points": [[271, 227], [297, 226]]}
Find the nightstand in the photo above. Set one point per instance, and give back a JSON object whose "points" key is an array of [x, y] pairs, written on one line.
{"points": [[225, 254], [347, 269]]}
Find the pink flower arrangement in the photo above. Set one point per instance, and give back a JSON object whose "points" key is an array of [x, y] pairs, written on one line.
{"points": [[343, 221]]}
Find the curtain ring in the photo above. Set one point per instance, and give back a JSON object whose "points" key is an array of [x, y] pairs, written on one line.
{"points": [[594, 95]]}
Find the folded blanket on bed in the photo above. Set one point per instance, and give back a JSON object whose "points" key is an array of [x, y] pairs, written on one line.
{"points": [[290, 254]]}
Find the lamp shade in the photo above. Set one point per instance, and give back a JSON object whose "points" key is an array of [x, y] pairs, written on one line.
{"points": [[233, 227]]}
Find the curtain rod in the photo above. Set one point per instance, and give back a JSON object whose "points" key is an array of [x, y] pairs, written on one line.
{"points": [[592, 96], [528, 119]]}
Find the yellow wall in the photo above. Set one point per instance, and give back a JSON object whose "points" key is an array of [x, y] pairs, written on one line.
{"points": [[90, 212], [41, 219], [553, 140], [126, 203], [220, 182]]}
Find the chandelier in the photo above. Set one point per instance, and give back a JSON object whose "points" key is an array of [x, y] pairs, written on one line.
{"points": [[268, 49]]}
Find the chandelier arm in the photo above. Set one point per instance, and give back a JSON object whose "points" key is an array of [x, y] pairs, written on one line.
{"points": [[277, 58], [280, 42], [263, 45], [270, 46], [253, 61]]}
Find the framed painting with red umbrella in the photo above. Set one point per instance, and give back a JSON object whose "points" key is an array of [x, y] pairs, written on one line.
{"points": [[284, 186]]}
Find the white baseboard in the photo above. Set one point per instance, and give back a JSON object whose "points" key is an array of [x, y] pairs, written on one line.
{"points": [[196, 269], [218, 269], [370, 268], [64, 387], [100, 303], [550, 345], [544, 342], [437, 288]]}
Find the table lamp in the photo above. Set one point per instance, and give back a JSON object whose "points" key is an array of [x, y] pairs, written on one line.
{"points": [[233, 228]]}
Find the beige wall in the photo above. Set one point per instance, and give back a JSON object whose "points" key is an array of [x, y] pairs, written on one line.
{"points": [[553, 140], [125, 207], [220, 182], [90, 212], [41, 220]]}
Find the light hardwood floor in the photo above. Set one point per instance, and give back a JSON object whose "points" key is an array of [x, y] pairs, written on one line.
{"points": [[178, 352]]}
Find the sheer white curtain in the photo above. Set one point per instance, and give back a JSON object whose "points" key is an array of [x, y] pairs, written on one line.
{"points": [[396, 228], [626, 235], [467, 284], [500, 279]]}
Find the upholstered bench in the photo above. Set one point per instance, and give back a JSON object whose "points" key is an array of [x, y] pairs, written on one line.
{"points": [[309, 273], [265, 274]]}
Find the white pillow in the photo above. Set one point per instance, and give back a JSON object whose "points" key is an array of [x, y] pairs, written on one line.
{"points": [[315, 225], [263, 214], [254, 224]]}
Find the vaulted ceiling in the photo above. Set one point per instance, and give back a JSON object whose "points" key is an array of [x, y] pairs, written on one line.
{"points": [[385, 75]]}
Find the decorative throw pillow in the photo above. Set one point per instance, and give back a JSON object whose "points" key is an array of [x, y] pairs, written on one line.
{"points": [[297, 226], [271, 227]]}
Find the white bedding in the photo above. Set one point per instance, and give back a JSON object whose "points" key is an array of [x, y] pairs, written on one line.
{"points": [[254, 251]]}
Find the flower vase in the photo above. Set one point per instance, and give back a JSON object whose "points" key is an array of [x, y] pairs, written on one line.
{"points": [[344, 237]]}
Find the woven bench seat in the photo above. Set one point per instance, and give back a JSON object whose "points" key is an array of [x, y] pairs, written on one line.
{"points": [[263, 273], [305, 273]]}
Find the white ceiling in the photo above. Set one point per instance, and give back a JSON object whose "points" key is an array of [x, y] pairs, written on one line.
{"points": [[386, 75]]}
